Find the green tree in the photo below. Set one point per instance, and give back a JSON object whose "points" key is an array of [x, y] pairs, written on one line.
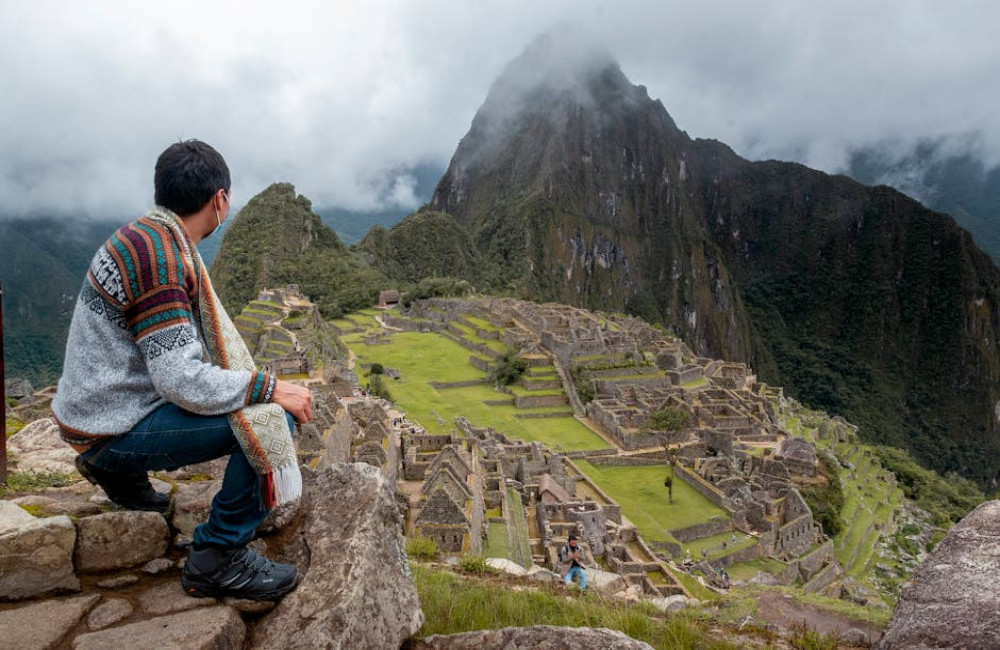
{"points": [[377, 387], [668, 418], [508, 368]]}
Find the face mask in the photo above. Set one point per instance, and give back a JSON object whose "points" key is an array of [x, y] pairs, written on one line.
{"points": [[218, 221]]}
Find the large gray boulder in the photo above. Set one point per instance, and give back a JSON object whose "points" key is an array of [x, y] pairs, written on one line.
{"points": [[116, 540], [357, 591], [952, 599], [36, 555], [537, 637]]}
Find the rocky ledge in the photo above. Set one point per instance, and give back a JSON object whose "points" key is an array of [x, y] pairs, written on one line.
{"points": [[356, 590]]}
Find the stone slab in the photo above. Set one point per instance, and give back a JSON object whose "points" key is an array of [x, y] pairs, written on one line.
{"points": [[117, 540], [43, 624], [212, 628], [36, 554]]}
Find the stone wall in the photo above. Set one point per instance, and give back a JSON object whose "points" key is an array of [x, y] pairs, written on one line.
{"points": [[702, 486], [714, 526], [797, 536], [539, 401], [625, 461]]}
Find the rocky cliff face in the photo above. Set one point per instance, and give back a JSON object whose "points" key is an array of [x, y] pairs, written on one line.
{"points": [[577, 187]]}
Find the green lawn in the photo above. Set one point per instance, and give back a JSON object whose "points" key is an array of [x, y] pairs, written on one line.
{"points": [[640, 492], [747, 570], [423, 358], [497, 544], [713, 545]]}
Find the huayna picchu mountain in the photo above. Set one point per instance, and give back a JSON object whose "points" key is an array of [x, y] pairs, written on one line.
{"points": [[277, 239], [575, 186]]}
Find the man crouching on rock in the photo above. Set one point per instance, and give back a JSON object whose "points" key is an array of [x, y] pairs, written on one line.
{"points": [[156, 377]]}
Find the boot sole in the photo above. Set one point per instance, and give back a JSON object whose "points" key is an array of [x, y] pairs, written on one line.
{"points": [[196, 590]]}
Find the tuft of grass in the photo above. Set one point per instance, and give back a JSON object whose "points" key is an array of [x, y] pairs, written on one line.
{"points": [[422, 548], [31, 481], [454, 604]]}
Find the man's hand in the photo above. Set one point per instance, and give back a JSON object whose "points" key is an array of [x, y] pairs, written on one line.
{"points": [[295, 399]]}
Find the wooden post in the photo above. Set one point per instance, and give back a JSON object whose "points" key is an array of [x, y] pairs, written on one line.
{"points": [[3, 431]]}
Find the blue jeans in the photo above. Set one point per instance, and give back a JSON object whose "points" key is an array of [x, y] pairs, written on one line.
{"points": [[169, 438], [577, 571]]}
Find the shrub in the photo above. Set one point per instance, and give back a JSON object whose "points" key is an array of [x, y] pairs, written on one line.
{"points": [[377, 369], [508, 369], [422, 548], [475, 564]]}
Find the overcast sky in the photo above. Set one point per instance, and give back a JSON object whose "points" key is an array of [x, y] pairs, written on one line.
{"points": [[341, 98]]}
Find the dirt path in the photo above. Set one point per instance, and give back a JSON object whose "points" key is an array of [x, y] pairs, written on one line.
{"points": [[779, 608]]}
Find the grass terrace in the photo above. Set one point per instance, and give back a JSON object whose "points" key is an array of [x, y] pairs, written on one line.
{"points": [[422, 358], [743, 571], [643, 498], [713, 545], [497, 544]]}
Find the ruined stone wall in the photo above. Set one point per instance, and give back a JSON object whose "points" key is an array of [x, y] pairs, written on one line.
{"points": [[796, 537], [702, 486], [714, 526], [539, 401], [811, 563]]}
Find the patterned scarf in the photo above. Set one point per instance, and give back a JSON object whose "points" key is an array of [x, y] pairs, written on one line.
{"points": [[262, 429]]}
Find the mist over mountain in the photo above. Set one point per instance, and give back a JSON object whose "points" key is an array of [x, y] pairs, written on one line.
{"points": [[575, 186], [945, 176]]}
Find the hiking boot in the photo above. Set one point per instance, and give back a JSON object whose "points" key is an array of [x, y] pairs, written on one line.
{"points": [[213, 572], [130, 491]]}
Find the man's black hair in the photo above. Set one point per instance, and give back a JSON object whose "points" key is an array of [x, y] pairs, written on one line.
{"points": [[187, 174]]}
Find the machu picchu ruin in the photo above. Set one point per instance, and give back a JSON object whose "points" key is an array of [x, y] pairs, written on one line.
{"points": [[682, 477]]}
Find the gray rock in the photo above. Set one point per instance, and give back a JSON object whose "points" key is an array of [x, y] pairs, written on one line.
{"points": [[42, 625], [36, 555], [39, 448], [604, 581], [108, 613], [536, 637], [952, 600], [118, 582], [357, 591], [158, 566], [212, 628], [18, 388], [670, 604], [249, 606], [506, 566], [117, 540], [541, 574], [192, 501], [168, 598], [279, 517]]}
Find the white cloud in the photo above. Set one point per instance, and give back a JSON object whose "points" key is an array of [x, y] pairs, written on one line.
{"points": [[339, 97]]}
